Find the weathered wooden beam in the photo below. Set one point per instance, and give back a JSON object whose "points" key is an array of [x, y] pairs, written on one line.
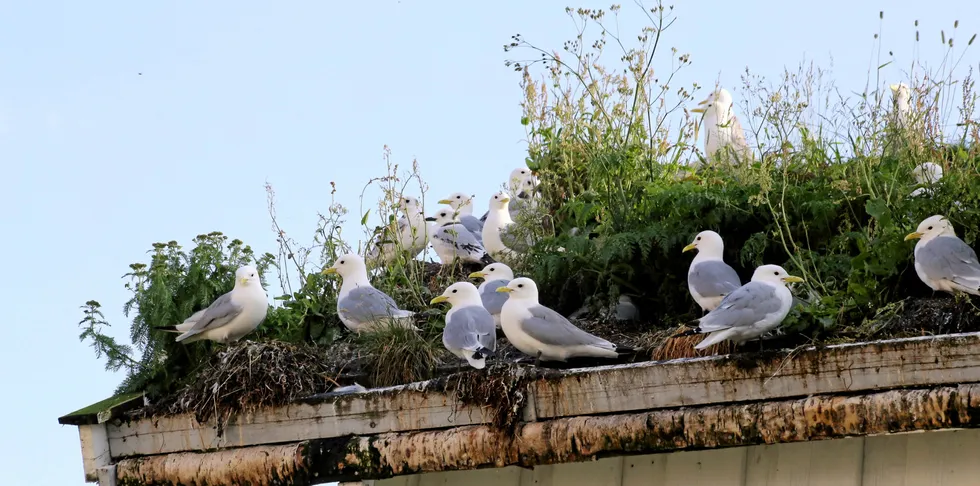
{"points": [[881, 365], [95, 450], [565, 440], [916, 362]]}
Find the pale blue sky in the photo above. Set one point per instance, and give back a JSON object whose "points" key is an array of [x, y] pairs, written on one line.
{"points": [[100, 161]]}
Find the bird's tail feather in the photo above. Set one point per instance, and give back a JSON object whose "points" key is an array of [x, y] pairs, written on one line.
{"points": [[714, 338], [168, 329]]}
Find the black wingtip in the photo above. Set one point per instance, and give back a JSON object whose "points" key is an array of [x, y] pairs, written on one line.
{"points": [[625, 350], [686, 332], [486, 259], [483, 353]]}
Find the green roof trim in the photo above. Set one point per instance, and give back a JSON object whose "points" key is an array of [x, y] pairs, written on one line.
{"points": [[102, 411]]}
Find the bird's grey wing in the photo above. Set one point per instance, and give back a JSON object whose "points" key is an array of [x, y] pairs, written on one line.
{"points": [[948, 258], [367, 304], [472, 224], [493, 301], [469, 328], [219, 313], [510, 239], [457, 236], [713, 278], [744, 307], [554, 329]]}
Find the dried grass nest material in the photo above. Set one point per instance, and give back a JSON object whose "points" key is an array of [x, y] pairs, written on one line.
{"points": [[250, 375]]}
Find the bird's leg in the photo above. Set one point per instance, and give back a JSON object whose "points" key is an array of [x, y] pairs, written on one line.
{"points": [[760, 344], [537, 360]]}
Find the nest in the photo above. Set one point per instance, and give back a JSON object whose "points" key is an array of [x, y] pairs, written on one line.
{"points": [[248, 376], [501, 388]]}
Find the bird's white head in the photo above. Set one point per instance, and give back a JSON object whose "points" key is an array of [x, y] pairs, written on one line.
{"points": [[521, 289], [516, 176], [458, 200], [409, 204], [499, 201], [719, 101], [246, 276], [459, 294], [494, 271], [900, 91], [932, 227], [708, 243], [348, 266], [528, 187], [927, 173], [445, 214], [774, 274]]}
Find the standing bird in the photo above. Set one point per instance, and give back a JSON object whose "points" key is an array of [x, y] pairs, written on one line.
{"points": [[942, 260], [513, 184], [926, 174], [452, 240], [901, 105], [536, 330], [498, 236], [710, 279], [722, 129], [527, 196], [751, 310], [469, 333], [410, 235], [463, 205], [494, 276], [360, 306], [229, 317]]}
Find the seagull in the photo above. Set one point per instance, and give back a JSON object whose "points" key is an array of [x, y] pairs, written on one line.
{"points": [[469, 333], [536, 330], [901, 104], [463, 205], [513, 184], [229, 317], [926, 174], [410, 235], [452, 240], [709, 278], [527, 196], [360, 306], [942, 260], [494, 275], [498, 236], [722, 128], [751, 310]]}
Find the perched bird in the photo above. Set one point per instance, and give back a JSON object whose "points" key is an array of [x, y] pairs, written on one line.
{"points": [[494, 276], [452, 240], [230, 316], [538, 331], [710, 279], [498, 236], [942, 260], [625, 309], [469, 333], [722, 128], [410, 235], [901, 104], [527, 196], [751, 310], [926, 174], [463, 205], [513, 185], [360, 306]]}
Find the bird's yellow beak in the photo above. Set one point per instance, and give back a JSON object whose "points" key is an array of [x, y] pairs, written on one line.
{"points": [[792, 279], [244, 281], [445, 201], [700, 108], [441, 298], [328, 271], [894, 87], [913, 236], [689, 247], [477, 275], [506, 199], [504, 289], [697, 110]]}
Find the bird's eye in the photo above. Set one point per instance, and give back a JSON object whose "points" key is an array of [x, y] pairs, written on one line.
{"points": [[520, 286], [341, 262], [459, 197], [698, 238], [775, 273], [929, 228], [489, 269], [454, 291]]}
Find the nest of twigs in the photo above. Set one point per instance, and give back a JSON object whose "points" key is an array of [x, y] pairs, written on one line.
{"points": [[248, 376]]}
